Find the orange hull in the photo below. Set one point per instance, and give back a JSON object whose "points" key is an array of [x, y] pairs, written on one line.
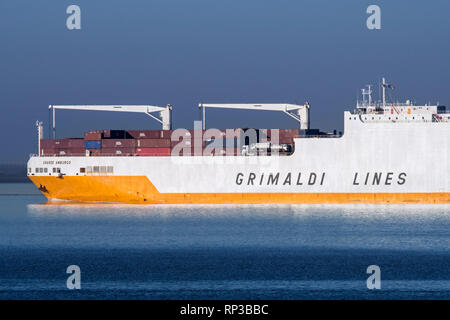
{"points": [[139, 189]]}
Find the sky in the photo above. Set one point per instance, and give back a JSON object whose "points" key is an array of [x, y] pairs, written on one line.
{"points": [[184, 52]]}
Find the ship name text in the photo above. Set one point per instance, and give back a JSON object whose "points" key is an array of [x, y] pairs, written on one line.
{"points": [[317, 178]]}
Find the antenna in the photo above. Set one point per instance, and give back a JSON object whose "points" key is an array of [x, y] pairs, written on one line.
{"points": [[367, 93]]}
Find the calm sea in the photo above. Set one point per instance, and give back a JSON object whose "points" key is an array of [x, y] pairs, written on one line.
{"points": [[220, 252]]}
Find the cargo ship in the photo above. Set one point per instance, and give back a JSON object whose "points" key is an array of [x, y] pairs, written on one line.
{"points": [[388, 153]]}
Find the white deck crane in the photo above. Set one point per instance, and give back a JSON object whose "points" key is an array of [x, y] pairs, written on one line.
{"points": [[165, 113], [298, 112]]}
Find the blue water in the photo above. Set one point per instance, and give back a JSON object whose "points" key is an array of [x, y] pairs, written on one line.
{"points": [[220, 252]]}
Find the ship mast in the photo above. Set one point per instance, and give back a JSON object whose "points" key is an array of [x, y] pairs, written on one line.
{"points": [[383, 87], [40, 130], [367, 92]]}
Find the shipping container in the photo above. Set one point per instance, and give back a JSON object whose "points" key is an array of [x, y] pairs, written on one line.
{"points": [[93, 136], [187, 151], [110, 134], [145, 134], [71, 151], [118, 143], [118, 151], [48, 151], [153, 151], [153, 143], [293, 133], [73, 143], [92, 144], [187, 143], [50, 143], [62, 143]]}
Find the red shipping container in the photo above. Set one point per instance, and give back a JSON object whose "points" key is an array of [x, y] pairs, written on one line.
{"points": [[51, 143], [153, 151], [287, 132], [71, 151], [188, 143], [73, 143], [118, 151], [48, 151], [145, 134], [118, 143], [188, 152], [92, 136], [153, 143]]}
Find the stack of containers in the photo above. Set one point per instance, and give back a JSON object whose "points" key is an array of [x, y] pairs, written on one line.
{"points": [[118, 147], [62, 147], [93, 142], [152, 142]]}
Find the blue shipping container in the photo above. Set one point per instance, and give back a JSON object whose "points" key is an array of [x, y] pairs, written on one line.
{"points": [[92, 144]]}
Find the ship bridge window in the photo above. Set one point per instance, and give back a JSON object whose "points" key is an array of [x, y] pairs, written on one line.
{"points": [[82, 170], [102, 169], [96, 169], [110, 169], [88, 169], [45, 170], [36, 170]]}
